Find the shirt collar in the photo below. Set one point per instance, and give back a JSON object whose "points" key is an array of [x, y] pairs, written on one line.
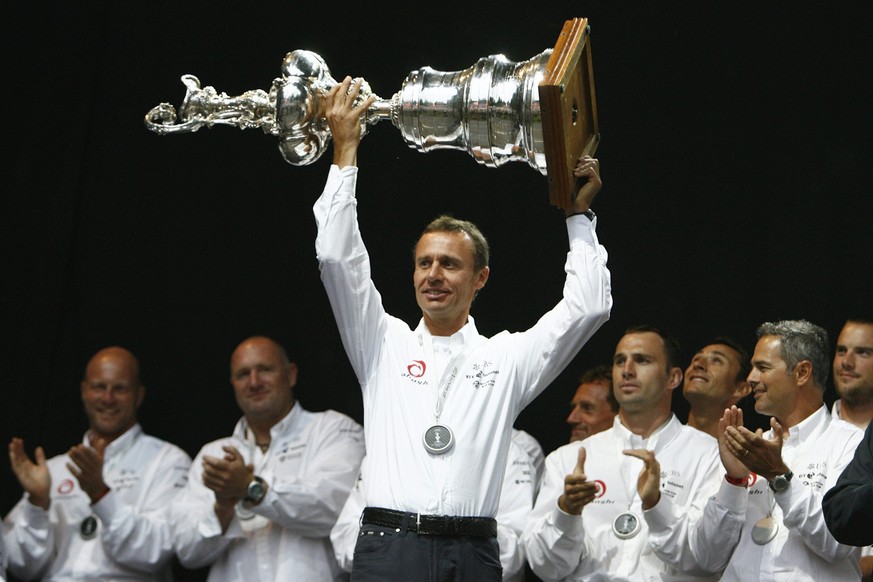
{"points": [[809, 428], [837, 408], [657, 440], [120, 445], [290, 425], [467, 336]]}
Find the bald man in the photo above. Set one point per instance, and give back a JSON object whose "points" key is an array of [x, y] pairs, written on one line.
{"points": [[260, 504], [99, 511]]}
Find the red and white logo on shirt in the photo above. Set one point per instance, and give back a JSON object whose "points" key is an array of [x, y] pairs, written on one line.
{"points": [[601, 488], [417, 368], [65, 486]]}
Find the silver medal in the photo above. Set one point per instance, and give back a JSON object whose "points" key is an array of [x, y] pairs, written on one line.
{"points": [[438, 439], [765, 530], [88, 528], [626, 525]]}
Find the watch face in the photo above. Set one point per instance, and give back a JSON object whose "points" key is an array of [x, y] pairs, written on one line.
{"points": [[780, 483], [255, 491]]}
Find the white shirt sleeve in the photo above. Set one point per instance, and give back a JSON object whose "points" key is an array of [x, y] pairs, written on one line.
{"points": [[345, 272], [29, 539], [516, 502], [554, 541], [344, 534], [699, 541], [140, 537], [802, 513], [310, 502], [197, 535]]}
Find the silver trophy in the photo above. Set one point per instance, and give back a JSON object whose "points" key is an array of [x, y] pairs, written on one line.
{"points": [[494, 110]]}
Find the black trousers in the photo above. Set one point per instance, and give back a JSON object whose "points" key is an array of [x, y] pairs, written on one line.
{"points": [[384, 554]]}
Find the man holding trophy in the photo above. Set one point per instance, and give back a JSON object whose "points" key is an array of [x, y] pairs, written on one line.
{"points": [[440, 399]]}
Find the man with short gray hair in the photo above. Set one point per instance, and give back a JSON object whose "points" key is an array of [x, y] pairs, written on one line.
{"points": [[766, 521]]}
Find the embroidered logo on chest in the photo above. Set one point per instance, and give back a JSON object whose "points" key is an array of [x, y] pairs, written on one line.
{"points": [[484, 375], [415, 372]]}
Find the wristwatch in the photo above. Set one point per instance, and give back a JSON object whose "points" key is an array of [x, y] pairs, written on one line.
{"points": [[780, 482], [255, 492]]}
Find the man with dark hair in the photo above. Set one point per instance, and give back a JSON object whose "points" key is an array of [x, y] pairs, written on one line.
{"points": [[260, 504], [853, 373], [715, 380], [440, 399], [766, 521], [594, 406], [100, 510], [596, 507]]}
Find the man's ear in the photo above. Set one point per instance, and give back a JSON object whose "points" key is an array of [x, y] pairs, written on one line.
{"points": [[482, 277], [803, 372], [741, 390], [674, 378]]}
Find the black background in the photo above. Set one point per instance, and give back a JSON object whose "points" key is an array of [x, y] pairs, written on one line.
{"points": [[735, 158]]}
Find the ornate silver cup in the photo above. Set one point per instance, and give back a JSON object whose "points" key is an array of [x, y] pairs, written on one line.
{"points": [[492, 109]]}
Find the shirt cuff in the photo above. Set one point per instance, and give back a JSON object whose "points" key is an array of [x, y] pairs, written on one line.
{"points": [[36, 516], [346, 179], [732, 497], [581, 228], [106, 507], [660, 517], [566, 522]]}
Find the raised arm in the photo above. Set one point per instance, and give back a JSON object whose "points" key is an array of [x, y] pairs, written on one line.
{"points": [[342, 256], [344, 119]]}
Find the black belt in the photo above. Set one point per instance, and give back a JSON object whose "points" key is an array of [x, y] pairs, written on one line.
{"points": [[435, 525]]}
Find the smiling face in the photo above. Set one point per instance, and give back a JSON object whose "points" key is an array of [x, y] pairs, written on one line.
{"points": [[590, 410], [111, 393], [446, 280], [853, 363], [262, 381], [773, 385], [713, 376]]}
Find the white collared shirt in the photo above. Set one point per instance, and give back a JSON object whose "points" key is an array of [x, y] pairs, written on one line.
{"points": [[133, 539], [816, 450], [310, 467], [400, 375], [561, 546], [516, 500]]}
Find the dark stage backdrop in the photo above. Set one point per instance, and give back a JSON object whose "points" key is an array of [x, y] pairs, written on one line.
{"points": [[735, 158]]}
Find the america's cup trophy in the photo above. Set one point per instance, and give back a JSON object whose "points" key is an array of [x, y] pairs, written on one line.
{"points": [[541, 111]]}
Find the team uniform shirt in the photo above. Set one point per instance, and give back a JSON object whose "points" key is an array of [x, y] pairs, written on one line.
{"points": [[310, 467], [402, 370], [128, 535], [516, 501], [561, 546], [517, 497], [535, 451], [816, 450]]}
